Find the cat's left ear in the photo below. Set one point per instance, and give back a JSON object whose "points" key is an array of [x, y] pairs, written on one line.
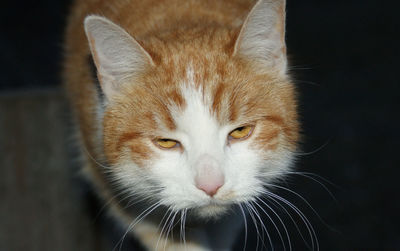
{"points": [[117, 55], [262, 36]]}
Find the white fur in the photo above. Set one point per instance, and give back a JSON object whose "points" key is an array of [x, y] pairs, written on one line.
{"points": [[244, 168], [170, 177]]}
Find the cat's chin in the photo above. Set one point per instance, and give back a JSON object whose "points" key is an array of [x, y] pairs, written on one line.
{"points": [[211, 211]]}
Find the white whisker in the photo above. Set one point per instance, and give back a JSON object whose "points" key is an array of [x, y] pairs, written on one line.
{"points": [[164, 225], [263, 228], [245, 227], [170, 229], [184, 222], [280, 220], [310, 229], [93, 159], [312, 152], [305, 201], [182, 227], [287, 212], [308, 175], [138, 219], [276, 227]]}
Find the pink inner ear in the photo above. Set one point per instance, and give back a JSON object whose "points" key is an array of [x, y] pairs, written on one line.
{"points": [[209, 176]]}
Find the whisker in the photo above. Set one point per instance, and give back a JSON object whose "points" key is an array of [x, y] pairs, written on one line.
{"points": [[316, 175], [312, 152], [255, 224], [139, 218], [108, 202], [164, 225], [142, 198], [300, 67], [290, 216], [180, 227], [304, 200], [250, 210], [307, 223], [263, 228], [170, 229], [245, 227], [92, 158], [184, 222], [309, 176], [159, 224], [307, 82], [276, 227]]}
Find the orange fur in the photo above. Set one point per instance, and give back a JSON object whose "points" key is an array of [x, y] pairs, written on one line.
{"points": [[176, 34]]}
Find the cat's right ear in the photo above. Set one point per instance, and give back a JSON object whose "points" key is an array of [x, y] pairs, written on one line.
{"points": [[262, 36], [117, 56]]}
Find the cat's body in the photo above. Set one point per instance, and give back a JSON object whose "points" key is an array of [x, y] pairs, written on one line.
{"points": [[195, 112]]}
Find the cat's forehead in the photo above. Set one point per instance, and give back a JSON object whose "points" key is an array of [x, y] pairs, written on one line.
{"points": [[196, 121], [201, 107], [219, 91], [197, 111], [202, 87]]}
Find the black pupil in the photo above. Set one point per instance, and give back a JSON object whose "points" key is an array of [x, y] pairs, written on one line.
{"points": [[240, 128]]}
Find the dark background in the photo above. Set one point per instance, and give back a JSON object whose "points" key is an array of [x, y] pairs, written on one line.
{"points": [[344, 58]]}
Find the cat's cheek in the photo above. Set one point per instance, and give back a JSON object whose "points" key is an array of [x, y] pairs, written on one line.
{"points": [[251, 167], [131, 178], [277, 163], [241, 169], [126, 146], [142, 154]]}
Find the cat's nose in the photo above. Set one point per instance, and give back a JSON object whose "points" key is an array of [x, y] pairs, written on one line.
{"points": [[210, 188], [209, 177]]}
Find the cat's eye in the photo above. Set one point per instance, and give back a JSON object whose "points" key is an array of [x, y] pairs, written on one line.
{"points": [[166, 143], [241, 132]]}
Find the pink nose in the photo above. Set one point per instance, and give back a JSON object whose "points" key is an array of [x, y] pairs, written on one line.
{"points": [[209, 188], [209, 177]]}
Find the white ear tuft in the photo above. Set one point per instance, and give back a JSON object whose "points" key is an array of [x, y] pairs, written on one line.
{"points": [[116, 54], [262, 36]]}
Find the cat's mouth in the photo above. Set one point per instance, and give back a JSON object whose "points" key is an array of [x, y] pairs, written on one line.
{"points": [[216, 206]]}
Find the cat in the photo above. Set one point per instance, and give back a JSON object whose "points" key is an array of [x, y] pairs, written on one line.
{"points": [[194, 116]]}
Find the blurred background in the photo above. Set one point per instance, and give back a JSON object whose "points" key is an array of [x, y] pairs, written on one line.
{"points": [[344, 57]]}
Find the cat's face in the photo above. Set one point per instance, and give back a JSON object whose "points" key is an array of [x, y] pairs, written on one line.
{"points": [[200, 119], [201, 134]]}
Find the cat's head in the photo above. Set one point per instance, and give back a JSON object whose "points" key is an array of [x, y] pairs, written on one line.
{"points": [[199, 119]]}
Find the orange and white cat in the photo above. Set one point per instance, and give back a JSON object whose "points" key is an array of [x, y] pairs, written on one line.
{"points": [[195, 115]]}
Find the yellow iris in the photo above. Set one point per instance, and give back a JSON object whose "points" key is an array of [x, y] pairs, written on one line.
{"points": [[166, 143], [241, 132]]}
